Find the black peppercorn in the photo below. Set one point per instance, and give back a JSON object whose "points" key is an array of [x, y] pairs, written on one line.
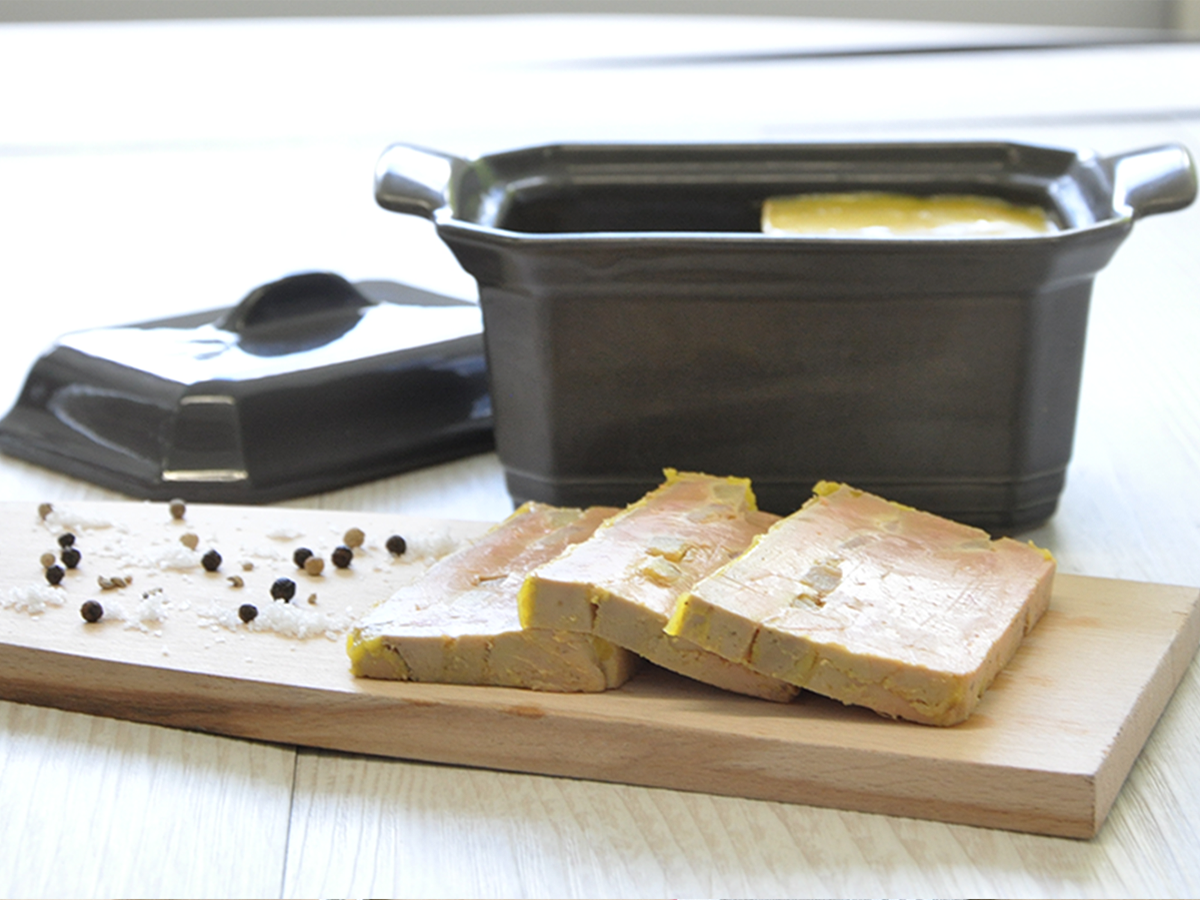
{"points": [[301, 556], [71, 557], [66, 540], [91, 611], [211, 561], [396, 545], [341, 557], [247, 612], [283, 589], [54, 574]]}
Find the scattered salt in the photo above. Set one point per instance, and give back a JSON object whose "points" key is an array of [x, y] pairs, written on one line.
{"points": [[286, 619], [435, 544], [66, 519], [33, 599], [153, 607], [114, 611], [177, 557]]}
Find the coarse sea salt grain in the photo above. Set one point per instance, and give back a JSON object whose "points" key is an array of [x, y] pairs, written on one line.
{"points": [[153, 607], [177, 558], [434, 544], [33, 599], [285, 619], [270, 554], [114, 611], [69, 519]]}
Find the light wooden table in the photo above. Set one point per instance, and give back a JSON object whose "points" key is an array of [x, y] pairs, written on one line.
{"points": [[155, 169]]}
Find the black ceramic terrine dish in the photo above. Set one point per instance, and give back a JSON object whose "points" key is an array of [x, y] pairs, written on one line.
{"points": [[311, 383], [636, 317]]}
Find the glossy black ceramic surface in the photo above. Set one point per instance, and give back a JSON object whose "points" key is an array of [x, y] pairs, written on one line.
{"points": [[637, 318], [309, 384]]}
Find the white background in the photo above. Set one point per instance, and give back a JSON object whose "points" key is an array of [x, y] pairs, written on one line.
{"points": [[1150, 14]]}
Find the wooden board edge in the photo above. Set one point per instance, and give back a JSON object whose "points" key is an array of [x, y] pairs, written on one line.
{"points": [[1145, 713], [514, 738]]}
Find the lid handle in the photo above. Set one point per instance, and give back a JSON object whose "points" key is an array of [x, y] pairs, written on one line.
{"points": [[293, 298], [1151, 181], [413, 180]]}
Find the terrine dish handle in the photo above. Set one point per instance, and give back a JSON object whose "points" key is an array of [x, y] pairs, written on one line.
{"points": [[413, 180], [1151, 181]]}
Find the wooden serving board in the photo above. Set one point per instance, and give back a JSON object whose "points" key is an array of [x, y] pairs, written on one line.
{"points": [[1046, 752]]}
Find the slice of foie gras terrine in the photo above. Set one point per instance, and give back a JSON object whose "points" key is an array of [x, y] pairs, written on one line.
{"points": [[874, 604], [622, 583], [458, 624]]}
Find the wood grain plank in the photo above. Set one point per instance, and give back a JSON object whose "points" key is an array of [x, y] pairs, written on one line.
{"points": [[92, 807], [1046, 752], [421, 830]]}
